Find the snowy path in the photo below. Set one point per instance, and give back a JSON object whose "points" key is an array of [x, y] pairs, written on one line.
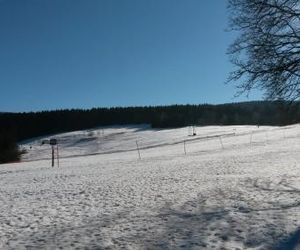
{"points": [[243, 197]]}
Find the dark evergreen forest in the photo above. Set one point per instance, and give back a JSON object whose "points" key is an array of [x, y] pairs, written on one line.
{"points": [[15, 127]]}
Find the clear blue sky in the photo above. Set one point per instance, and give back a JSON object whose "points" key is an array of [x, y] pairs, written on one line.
{"points": [[58, 54]]}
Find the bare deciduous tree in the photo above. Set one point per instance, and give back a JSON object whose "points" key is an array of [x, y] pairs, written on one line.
{"points": [[267, 52]]}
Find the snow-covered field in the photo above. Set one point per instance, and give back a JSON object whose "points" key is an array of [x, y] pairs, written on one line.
{"points": [[235, 187]]}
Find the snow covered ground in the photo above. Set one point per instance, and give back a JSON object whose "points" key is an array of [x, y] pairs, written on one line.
{"points": [[235, 187]]}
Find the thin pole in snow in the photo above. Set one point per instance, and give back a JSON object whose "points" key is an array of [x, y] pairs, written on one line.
{"points": [[220, 138], [137, 146], [52, 149], [184, 147], [57, 155]]}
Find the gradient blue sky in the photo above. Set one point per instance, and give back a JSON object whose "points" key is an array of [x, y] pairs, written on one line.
{"points": [[58, 54]]}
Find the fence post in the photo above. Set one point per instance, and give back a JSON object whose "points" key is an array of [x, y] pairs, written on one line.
{"points": [[137, 146]]}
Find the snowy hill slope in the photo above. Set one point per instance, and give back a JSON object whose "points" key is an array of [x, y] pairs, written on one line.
{"points": [[123, 139], [233, 187]]}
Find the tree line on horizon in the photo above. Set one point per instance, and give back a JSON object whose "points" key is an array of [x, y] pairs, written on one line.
{"points": [[16, 127]]}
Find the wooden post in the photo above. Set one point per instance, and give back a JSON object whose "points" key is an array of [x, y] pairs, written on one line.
{"points": [[53, 142], [137, 146], [184, 147], [57, 155], [52, 147]]}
